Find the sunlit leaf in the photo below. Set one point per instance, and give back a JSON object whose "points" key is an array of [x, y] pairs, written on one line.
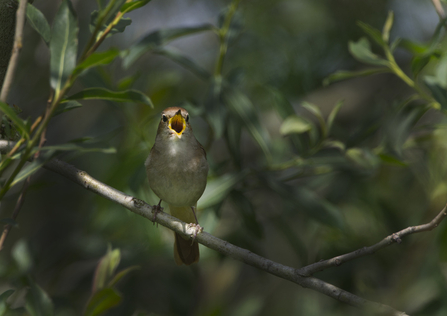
{"points": [[295, 125], [343, 74], [361, 50], [37, 302], [18, 122], [387, 27], [21, 254], [63, 45], [133, 5], [106, 269], [160, 38], [38, 22], [97, 59], [134, 96], [102, 301]]}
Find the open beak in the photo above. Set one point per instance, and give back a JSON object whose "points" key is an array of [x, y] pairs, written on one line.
{"points": [[177, 123]]}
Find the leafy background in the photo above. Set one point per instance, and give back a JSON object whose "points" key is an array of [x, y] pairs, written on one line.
{"points": [[299, 171]]}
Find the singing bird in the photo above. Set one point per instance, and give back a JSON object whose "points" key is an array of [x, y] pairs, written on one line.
{"points": [[177, 171]]}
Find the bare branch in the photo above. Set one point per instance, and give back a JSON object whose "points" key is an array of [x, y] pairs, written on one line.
{"points": [[20, 21], [439, 8], [391, 239]]}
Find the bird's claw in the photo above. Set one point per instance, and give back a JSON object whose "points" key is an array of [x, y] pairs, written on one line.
{"points": [[156, 209], [197, 229]]}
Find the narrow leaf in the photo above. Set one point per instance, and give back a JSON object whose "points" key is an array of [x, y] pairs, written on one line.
{"points": [[120, 96], [159, 38], [217, 189], [38, 22], [63, 46], [18, 122], [102, 301], [185, 62], [372, 32], [5, 295], [37, 302], [333, 114], [97, 59], [121, 275], [242, 107], [67, 106], [128, 7], [295, 125], [105, 269], [342, 74], [361, 50], [387, 27], [438, 92], [418, 63], [34, 166]]}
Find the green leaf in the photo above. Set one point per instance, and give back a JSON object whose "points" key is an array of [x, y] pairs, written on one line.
{"points": [[185, 62], [121, 275], [18, 122], [418, 63], [22, 256], [106, 269], [120, 96], [217, 189], [333, 114], [128, 7], [363, 158], [342, 74], [117, 28], [361, 50], [37, 302], [392, 160], [372, 32], [295, 125], [437, 91], [242, 107], [38, 22], [159, 38], [5, 295], [97, 59], [63, 46], [67, 106], [387, 27], [102, 301], [312, 108], [34, 166]]}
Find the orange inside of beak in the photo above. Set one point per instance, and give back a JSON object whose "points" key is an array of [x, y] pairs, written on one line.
{"points": [[177, 123]]}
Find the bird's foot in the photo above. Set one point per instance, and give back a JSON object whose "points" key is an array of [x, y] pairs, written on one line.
{"points": [[156, 209], [197, 229]]}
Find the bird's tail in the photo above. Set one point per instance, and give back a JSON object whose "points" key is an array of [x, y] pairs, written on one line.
{"points": [[184, 252]]}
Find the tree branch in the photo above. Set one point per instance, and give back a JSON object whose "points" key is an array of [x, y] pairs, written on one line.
{"points": [[20, 22], [141, 208], [439, 9], [391, 239]]}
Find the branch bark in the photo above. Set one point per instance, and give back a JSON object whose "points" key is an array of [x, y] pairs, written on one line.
{"points": [[20, 22], [141, 208]]}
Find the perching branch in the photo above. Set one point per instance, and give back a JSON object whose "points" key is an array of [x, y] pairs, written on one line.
{"points": [[20, 22], [141, 208], [439, 8], [391, 239]]}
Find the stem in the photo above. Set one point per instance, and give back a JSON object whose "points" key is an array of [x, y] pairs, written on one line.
{"points": [[223, 37]]}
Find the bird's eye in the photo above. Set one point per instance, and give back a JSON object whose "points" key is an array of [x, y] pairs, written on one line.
{"points": [[164, 118], [187, 118]]}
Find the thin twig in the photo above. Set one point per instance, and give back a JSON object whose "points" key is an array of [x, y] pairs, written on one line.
{"points": [[17, 208], [20, 21], [391, 239], [439, 9]]}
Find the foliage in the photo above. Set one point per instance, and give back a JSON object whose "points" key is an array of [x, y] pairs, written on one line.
{"points": [[298, 173]]}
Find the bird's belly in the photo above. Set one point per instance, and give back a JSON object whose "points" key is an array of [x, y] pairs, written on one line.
{"points": [[176, 185]]}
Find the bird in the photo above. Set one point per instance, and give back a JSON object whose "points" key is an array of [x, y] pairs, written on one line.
{"points": [[177, 171]]}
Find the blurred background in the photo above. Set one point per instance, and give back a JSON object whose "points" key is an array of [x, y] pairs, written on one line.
{"points": [[282, 183]]}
